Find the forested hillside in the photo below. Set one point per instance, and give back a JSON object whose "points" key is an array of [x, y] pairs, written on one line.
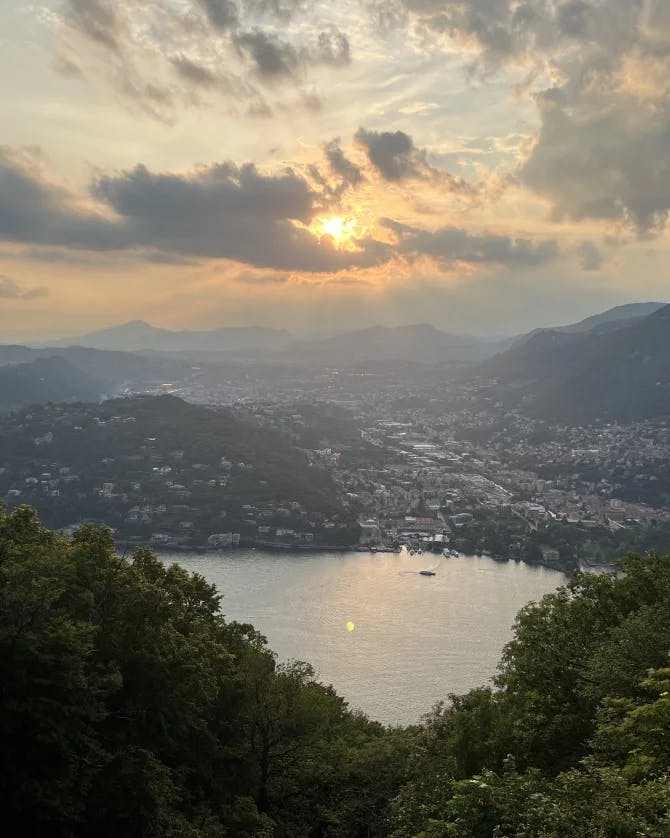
{"points": [[211, 469], [44, 380], [621, 375], [129, 706]]}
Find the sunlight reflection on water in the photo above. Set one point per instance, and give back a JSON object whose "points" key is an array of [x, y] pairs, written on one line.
{"points": [[416, 638]]}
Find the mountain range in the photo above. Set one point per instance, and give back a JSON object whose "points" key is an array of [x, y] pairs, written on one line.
{"points": [[420, 343], [416, 343], [613, 365]]}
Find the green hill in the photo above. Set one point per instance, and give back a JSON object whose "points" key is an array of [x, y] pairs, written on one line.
{"points": [[43, 380], [206, 468]]}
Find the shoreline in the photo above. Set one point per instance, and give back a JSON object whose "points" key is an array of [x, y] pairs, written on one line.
{"points": [[269, 546], [274, 547]]}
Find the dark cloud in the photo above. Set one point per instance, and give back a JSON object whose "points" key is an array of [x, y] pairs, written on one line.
{"points": [[341, 166], [98, 20], [282, 10], [599, 156], [230, 212], [35, 212], [574, 18], [272, 57], [219, 212], [275, 57], [333, 48], [222, 14], [393, 154], [450, 245], [590, 257], [193, 72], [396, 158], [9, 290]]}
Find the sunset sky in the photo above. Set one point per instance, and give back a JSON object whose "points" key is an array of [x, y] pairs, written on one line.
{"points": [[484, 165]]}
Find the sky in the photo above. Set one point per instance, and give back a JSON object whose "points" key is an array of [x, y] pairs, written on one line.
{"points": [[488, 166]]}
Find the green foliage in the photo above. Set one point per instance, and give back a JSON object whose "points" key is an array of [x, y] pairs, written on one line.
{"points": [[128, 706], [575, 740]]}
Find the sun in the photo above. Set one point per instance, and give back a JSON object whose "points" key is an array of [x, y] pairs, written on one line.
{"points": [[333, 227], [339, 228]]}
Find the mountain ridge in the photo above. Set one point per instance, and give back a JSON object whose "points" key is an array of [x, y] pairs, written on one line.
{"points": [[138, 335], [621, 374]]}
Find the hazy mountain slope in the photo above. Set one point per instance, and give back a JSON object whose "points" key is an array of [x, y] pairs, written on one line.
{"points": [[623, 376], [619, 317], [545, 355], [110, 369], [420, 343], [138, 335], [615, 375], [44, 380]]}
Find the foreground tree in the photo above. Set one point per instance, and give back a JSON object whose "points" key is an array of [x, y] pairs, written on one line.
{"points": [[128, 706]]}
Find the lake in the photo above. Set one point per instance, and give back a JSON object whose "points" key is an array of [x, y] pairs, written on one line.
{"points": [[392, 642]]}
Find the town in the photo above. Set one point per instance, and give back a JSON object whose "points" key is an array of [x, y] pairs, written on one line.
{"points": [[364, 459]]}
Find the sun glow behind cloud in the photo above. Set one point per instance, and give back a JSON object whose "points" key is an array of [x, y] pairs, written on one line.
{"points": [[341, 229], [364, 164]]}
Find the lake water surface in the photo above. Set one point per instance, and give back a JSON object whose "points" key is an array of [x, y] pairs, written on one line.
{"points": [[415, 638]]}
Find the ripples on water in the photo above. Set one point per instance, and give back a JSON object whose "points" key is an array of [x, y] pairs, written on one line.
{"points": [[416, 638]]}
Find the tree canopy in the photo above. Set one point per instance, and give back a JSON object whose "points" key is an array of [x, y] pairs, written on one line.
{"points": [[130, 706]]}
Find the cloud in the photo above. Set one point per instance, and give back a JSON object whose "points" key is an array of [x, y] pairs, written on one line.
{"points": [[193, 72], [600, 155], [281, 10], [275, 57], [599, 70], [155, 53], [9, 290], [223, 211], [249, 278], [222, 14], [98, 20], [36, 212], [391, 153], [450, 245], [272, 56], [341, 166], [333, 48], [232, 212], [590, 257], [395, 157]]}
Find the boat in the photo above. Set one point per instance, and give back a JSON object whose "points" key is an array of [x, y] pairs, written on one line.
{"points": [[427, 573]]}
